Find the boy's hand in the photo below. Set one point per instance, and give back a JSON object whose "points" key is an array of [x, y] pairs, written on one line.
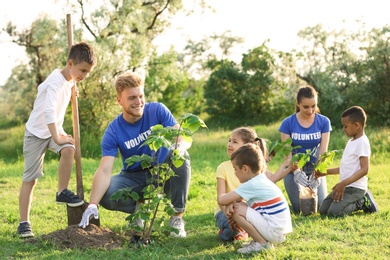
{"points": [[64, 139], [179, 147], [229, 209], [318, 174], [338, 192]]}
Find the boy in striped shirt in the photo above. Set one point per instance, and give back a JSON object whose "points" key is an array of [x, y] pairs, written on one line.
{"points": [[258, 206]]}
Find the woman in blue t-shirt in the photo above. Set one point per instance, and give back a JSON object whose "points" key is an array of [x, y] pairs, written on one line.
{"points": [[310, 130]]}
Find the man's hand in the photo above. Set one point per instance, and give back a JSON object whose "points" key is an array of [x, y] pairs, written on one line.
{"points": [[179, 147], [91, 211]]}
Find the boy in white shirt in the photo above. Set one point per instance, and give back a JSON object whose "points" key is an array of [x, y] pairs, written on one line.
{"points": [[351, 193], [44, 131], [265, 214]]}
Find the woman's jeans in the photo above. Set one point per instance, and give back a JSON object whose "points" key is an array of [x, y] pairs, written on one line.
{"points": [[292, 188], [176, 188]]}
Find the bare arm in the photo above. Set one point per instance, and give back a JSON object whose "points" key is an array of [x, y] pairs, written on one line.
{"points": [[101, 179], [284, 137], [284, 169], [186, 145], [227, 198], [364, 167], [59, 138], [338, 189], [324, 143], [221, 189], [331, 171]]}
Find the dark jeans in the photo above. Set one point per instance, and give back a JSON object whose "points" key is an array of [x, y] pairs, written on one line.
{"points": [[350, 203], [177, 187]]}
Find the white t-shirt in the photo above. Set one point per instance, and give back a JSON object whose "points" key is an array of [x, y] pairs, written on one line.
{"points": [[350, 161], [50, 105]]}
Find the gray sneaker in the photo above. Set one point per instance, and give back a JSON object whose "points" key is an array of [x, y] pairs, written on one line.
{"points": [[178, 224], [369, 205], [254, 246], [25, 230]]}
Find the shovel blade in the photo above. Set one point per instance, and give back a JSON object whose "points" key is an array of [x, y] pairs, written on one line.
{"points": [[76, 213]]}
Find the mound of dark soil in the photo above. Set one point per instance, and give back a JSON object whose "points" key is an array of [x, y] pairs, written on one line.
{"points": [[92, 237]]}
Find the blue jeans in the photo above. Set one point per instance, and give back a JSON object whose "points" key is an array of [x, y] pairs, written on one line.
{"points": [[222, 222], [176, 188], [292, 188]]}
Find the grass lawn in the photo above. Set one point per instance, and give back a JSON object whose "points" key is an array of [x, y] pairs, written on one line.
{"points": [[360, 236]]}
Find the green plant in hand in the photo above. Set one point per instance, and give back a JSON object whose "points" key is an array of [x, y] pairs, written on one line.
{"points": [[325, 159], [302, 158], [285, 147], [152, 198], [321, 164]]}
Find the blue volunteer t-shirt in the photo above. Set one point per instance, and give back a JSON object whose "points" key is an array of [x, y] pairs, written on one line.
{"points": [[308, 138], [128, 138]]}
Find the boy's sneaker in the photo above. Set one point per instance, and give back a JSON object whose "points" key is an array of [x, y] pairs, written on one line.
{"points": [[268, 245], [177, 223], [25, 230], [69, 198], [254, 246], [241, 236], [369, 205]]}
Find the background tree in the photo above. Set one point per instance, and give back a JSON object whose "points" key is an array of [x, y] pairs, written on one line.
{"points": [[246, 93], [121, 33], [43, 43], [348, 68]]}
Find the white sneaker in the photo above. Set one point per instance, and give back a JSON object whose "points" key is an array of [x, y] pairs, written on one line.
{"points": [[267, 245], [177, 223], [254, 246], [139, 222]]}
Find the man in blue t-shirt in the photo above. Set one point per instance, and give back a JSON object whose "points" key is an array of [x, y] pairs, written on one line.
{"points": [[126, 133]]}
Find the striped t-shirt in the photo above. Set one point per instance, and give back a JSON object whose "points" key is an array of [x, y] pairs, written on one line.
{"points": [[266, 198]]}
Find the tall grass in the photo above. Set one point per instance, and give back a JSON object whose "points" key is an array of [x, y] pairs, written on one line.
{"points": [[360, 236]]}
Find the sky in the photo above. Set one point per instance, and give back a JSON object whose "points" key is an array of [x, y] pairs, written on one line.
{"points": [[253, 20]]}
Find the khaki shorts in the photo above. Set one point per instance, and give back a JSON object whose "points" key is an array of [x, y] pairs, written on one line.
{"points": [[34, 150], [263, 227]]}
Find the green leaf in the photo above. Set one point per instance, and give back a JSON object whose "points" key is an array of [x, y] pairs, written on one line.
{"points": [[134, 195], [325, 159], [157, 127]]}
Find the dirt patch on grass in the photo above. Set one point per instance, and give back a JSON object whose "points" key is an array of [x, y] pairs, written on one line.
{"points": [[92, 237]]}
